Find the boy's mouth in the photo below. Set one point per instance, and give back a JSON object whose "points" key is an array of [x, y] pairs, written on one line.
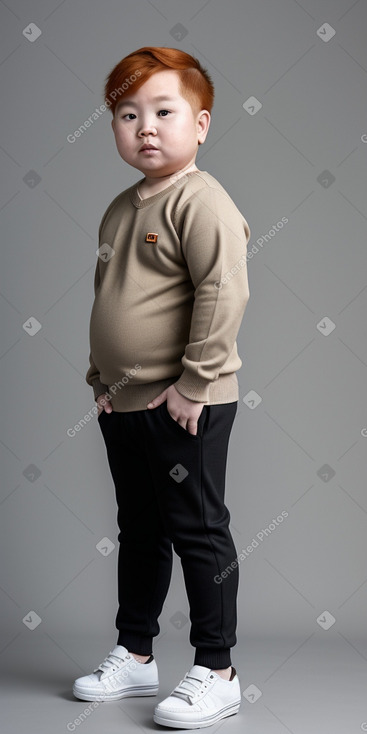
{"points": [[147, 147]]}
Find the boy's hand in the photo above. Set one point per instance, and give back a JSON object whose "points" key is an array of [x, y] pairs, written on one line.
{"points": [[103, 403], [184, 411]]}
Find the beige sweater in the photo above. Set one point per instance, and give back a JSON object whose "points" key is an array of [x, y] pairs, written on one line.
{"points": [[171, 289]]}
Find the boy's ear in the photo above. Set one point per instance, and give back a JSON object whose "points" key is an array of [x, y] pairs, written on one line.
{"points": [[113, 124], [203, 123]]}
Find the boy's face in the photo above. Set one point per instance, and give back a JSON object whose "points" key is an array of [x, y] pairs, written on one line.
{"points": [[169, 124]]}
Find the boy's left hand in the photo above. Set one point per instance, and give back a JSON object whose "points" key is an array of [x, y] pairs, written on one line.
{"points": [[183, 410]]}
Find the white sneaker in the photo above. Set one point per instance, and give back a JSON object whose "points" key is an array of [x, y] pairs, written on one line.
{"points": [[120, 675], [201, 699]]}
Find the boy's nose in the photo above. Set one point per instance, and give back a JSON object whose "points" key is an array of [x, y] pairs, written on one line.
{"points": [[148, 130]]}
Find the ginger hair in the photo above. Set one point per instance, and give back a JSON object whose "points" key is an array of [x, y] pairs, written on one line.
{"points": [[195, 84]]}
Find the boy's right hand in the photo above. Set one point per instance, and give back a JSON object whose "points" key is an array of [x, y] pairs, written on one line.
{"points": [[103, 403]]}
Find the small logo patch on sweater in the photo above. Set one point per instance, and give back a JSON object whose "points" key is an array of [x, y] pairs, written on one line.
{"points": [[151, 237]]}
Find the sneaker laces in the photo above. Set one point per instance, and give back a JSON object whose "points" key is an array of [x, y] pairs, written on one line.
{"points": [[189, 688], [108, 663]]}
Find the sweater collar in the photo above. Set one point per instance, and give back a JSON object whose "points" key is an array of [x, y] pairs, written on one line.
{"points": [[142, 203]]}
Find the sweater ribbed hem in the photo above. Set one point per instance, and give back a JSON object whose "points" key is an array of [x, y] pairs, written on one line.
{"points": [[194, 388], [136, 397], [214, 658]]}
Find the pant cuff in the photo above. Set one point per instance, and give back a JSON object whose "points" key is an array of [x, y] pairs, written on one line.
{"points": [[136, 643], [213, 657]]}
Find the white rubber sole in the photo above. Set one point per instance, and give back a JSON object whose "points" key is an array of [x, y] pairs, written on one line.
{"points": [[85, 695], [165, 720]]}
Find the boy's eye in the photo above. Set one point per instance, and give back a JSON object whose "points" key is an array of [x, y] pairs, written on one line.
{"points": [[129, 114]]}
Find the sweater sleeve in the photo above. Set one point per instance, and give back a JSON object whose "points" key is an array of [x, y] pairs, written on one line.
{"points": [[93, 377], [214, 237]]}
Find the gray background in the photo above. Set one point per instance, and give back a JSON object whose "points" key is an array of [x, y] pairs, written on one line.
{"points": [[300, 450]]}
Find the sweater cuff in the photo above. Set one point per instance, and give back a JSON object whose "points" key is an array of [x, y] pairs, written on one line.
{"points": [[98, 388], [193, 388]]}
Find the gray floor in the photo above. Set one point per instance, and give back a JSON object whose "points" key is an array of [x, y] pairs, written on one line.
{"points": [[308, 686]]}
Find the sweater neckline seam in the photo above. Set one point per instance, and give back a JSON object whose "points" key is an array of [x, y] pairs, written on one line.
{"points": [[142, 203]]}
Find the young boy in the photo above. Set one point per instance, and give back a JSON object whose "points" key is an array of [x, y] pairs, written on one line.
{"points": [[171, 289]]}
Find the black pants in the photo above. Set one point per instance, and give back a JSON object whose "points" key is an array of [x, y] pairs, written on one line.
{"points": [[170, 490]]}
